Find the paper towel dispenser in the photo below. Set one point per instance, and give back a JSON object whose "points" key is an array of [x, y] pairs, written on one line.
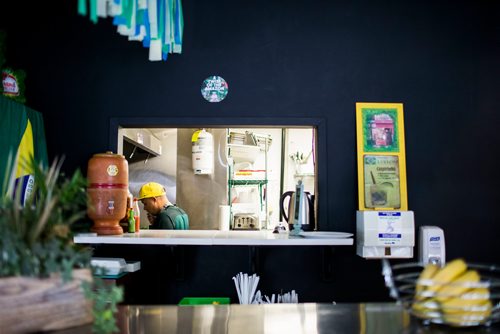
{"points": [[385, 234]]}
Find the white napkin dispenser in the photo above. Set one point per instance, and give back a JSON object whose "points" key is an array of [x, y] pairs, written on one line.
{"points": [[385, 234]]}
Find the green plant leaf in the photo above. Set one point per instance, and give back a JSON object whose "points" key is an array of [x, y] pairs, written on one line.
{"points": [[105, 298], [36, 238]]}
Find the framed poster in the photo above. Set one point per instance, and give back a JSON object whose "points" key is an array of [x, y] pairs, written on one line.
{"points": [[380, 130], [381, 156], [381, 177]]}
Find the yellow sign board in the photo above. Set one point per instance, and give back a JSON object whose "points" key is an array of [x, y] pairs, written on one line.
{"points": [[381, 156]]}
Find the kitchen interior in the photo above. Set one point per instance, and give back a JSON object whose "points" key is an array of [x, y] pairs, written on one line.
{"points": [[252, 169]]}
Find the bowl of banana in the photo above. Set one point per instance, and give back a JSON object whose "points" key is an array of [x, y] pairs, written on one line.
{"points": [[458, 294]]}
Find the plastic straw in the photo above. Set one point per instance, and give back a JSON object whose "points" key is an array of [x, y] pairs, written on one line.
{"points": [[237, 288], [246, 288], [255, 283]]}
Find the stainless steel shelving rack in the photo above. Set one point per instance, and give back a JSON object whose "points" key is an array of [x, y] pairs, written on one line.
{"points": [[260, 183]]}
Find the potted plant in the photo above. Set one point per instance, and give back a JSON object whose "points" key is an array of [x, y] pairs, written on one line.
{"points": [[299, 159], [42, 272]]}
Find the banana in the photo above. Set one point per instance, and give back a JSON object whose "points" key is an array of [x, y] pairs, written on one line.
{"points": [[458, 286], [452, 295], [448, 273], [466, 301], [475, 315], [424, 280], [427, 309]]}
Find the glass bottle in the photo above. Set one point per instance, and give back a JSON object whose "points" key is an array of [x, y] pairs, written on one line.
{"points": [[137, 215], [131, 221]]}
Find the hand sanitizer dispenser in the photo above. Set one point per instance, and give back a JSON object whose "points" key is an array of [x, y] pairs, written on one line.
{"points": [[385, 234], [432, 247]]}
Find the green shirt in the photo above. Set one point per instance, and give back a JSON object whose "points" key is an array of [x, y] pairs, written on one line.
{"points": [[171, 217]]}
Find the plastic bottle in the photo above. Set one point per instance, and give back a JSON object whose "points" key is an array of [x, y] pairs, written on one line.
{"points": [[131, 221], [137, 215]]}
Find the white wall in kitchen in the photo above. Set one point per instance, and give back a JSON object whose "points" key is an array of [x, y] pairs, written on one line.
{"points": [[300, 140], [161, 169]]}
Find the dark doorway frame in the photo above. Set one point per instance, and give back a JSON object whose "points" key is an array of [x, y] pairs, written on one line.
{"points": [[227, 122]]}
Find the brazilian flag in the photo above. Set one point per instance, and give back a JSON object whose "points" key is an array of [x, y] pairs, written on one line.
{"points": [[22, 138]]}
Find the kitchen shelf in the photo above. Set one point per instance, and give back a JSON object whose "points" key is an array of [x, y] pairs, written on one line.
{"points": [[140, 139], [247, 182], [244, 153], [249, 153], [242, 183], [303, 174]]}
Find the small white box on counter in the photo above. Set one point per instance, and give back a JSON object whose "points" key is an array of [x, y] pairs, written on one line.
{"points": [[108, 266], [132, 266], [114, 266]]}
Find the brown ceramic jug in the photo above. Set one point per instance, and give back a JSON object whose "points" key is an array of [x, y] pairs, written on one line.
{"points": [[107, 175]]}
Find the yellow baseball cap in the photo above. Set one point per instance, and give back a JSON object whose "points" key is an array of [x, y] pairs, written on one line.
{"points": [[151, 189]]}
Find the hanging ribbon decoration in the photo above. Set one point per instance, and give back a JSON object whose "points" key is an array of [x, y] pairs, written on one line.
{"points": [[158, 24]]}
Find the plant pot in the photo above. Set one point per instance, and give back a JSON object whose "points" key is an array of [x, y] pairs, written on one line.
{"points": [[32, 304]]}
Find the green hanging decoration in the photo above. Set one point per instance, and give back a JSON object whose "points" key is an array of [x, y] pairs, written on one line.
{"points": [[158, 24], [93, 11], [82, 7], [13, 84]]}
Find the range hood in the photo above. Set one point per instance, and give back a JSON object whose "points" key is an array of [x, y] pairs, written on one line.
{"points": [[142, 139]]}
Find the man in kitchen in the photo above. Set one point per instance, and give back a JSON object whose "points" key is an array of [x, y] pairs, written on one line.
{"points": [[161, 213]]}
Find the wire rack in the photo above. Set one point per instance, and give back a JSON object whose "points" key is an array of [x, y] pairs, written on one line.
{"points": [[458, 304]]}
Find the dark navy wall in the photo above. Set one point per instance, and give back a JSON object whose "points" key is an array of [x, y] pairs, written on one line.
{"points": [[293, 59]]}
